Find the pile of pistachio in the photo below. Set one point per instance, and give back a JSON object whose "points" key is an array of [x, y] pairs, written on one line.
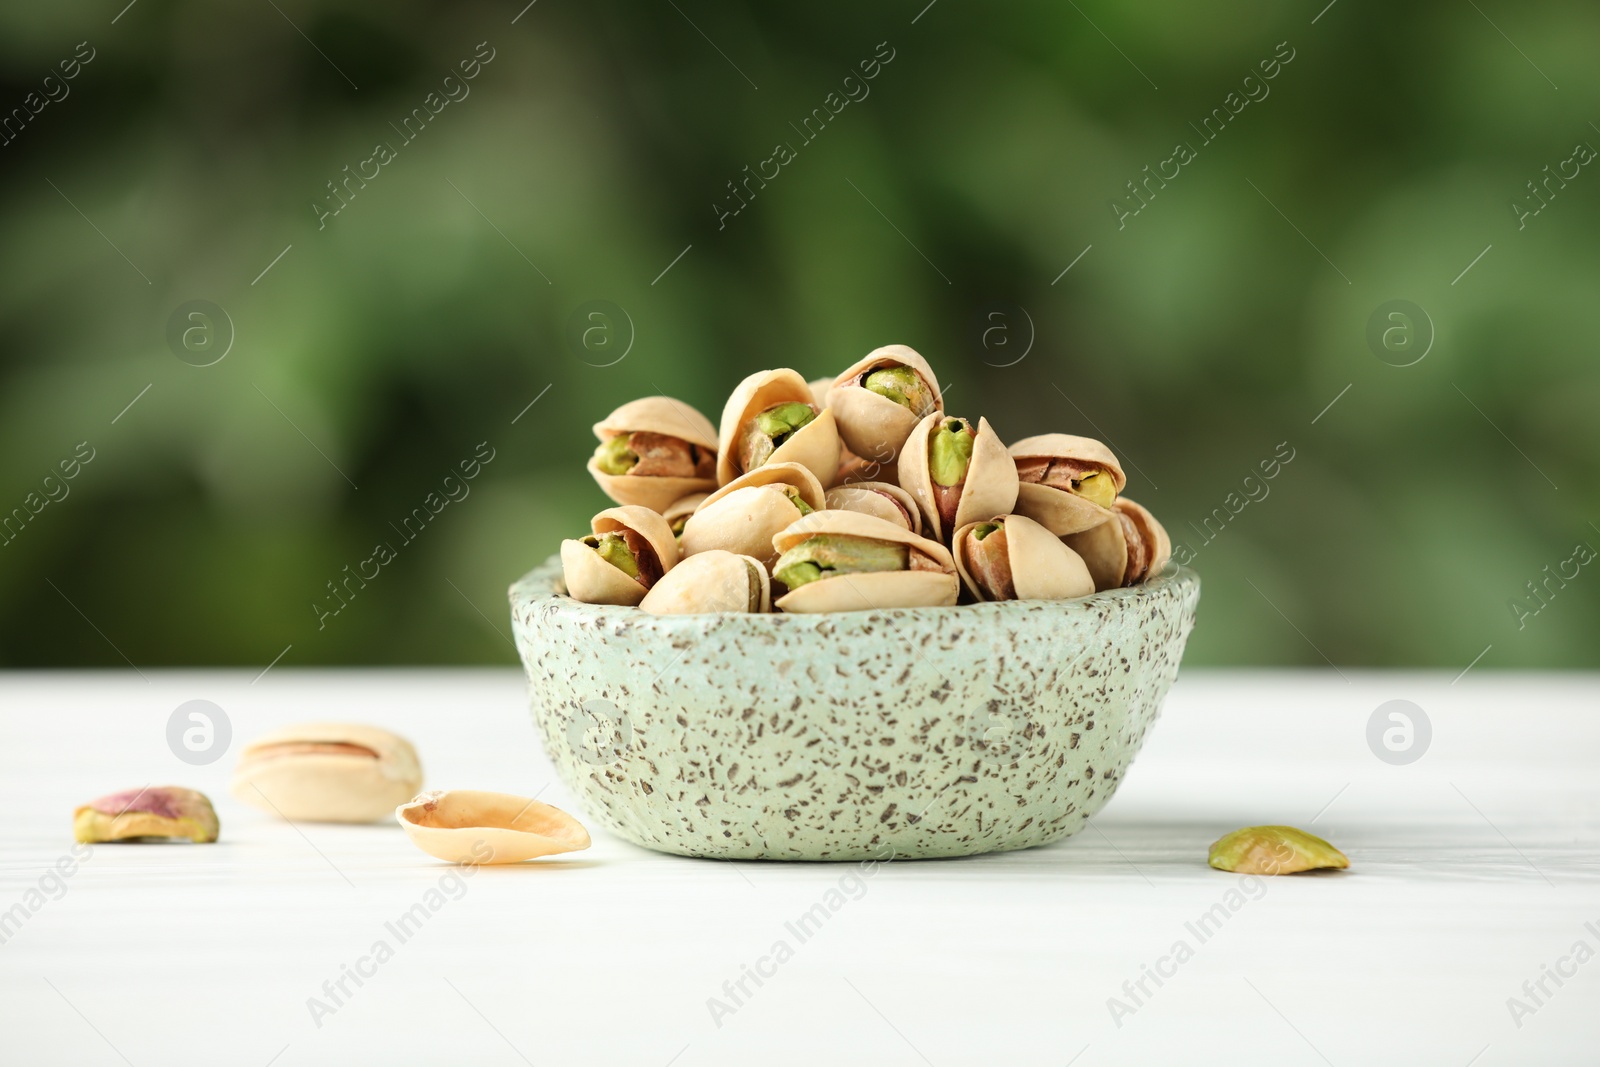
{"points": [[850, 493]]}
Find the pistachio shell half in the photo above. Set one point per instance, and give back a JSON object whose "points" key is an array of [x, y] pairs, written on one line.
{"points": [[677, 513], [772, 417], [880, 399], [1068, 483], [957, 473], [1126, 549], [847, 561], [630, 549], [474, 827], [154, 811], [714, 581], [1274, 850], [743, 516], [654, 451], [880, 500], [327, 772], [1014, 558]]}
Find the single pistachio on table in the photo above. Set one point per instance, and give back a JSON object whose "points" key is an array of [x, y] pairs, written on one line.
{"points": [[677, 513], [327, 772], [772, 417], [958, 472], [1124, 550], [1014, 558], [154, 811], [474, 827], [713, 581], [654, 451], [881, 500], [847, 561], [1274, 850], [881, 398], [628, 552], [1068, 482], [743, 515]]}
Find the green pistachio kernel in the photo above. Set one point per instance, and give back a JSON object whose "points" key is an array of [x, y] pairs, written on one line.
{"points": [[827, 555], [950, 453], [784, 419], [797, 574], [902, 385], [615, 551], [1097, 487], [797, 500], [984, 530], [614, 457]]}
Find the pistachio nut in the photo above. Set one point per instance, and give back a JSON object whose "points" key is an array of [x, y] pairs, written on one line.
{"points": [[1014, 558], [772, 417], [154, 811], [713, 581], [958, 472], [1273, 850], [880, 500], [473, 827], [847, 561], [327, 772], [880, 399], [1068, 483], [654, 451], [743, 515], [1126, 549], [677, 513], [628, 552]]}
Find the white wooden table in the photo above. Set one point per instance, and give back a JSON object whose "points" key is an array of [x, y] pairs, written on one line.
{"points": [[1474, 870]]}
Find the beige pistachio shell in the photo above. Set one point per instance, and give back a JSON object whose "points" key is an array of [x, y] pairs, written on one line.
{"points": [[474, 827], [864, 592], [662, 415], [991, 485], [1104, 548], [819, 391], [1157, 544], [1068, 446], [656, 493], [815, 446], [871, 425], [1042, 567], [592, 580], [1061, 512], [880, 500], [683, 507], [854, 469], [714, 581], [327, 772], [743, 516]]}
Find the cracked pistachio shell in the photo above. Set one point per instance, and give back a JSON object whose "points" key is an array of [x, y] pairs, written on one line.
{"points": [[880, 500], [592, 580], [854, 469], [873, 425], [1058, 511], [711, 582], [743, 516], [327, 772], [814, 446], [1274, 850], [990, 487], [683, 507], [1042, 567], [653, 414], [871, 591], [154, 811], [1110, 557], [474, 827]]}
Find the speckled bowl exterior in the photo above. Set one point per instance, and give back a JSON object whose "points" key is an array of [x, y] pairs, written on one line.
{"points": [[900, 733]]}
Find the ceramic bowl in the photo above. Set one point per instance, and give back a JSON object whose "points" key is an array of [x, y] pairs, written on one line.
{"points": [[912, 732]]}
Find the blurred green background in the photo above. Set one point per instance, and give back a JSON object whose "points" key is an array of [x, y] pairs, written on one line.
{"points": [[939, 210]]}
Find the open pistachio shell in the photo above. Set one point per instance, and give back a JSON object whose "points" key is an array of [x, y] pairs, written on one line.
{"points": [[1126, 549], [1059, 511], [991, 482], [819, 391], [1158, 545], [474, 827], [656, 415], [880, 500], [592, 580], [814, 446], [327, 772], [678, 512], [1104, 550], [872, 425], [870, 590], [714, 581], [1038, 566], [743, 516]]}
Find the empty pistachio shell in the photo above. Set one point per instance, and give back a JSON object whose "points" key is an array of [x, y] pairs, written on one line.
{"points": [[880, 500], [1067, 483], [709, 582], [629, 550], [474, 827], [772, 417], [154, 811], [1126, 549], [957, 472], [1273, 850], [1014, 558], [327, 772], [654, 451], [846, 561], [880, 399], [743, 516], [677, 513]]}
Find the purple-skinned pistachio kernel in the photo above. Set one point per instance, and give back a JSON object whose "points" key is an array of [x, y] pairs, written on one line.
{"points": [[155, 811]]}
